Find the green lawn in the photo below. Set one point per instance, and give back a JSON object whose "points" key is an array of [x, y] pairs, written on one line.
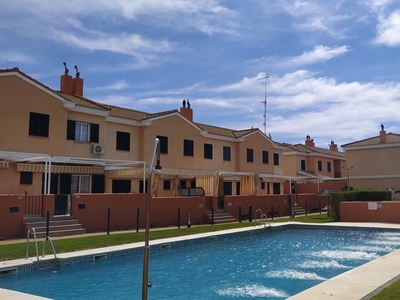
{"points": [[390, 293], [70, 244]]}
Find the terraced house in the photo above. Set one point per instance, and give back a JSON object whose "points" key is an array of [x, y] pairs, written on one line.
{"points": [[86, 153], [60, 142]]}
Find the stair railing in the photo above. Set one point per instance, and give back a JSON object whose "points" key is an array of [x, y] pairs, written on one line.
{"points": [[27, 243], [48, 238]]}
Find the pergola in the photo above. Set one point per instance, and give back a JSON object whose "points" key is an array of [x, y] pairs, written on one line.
{"points": [[37, 162]]}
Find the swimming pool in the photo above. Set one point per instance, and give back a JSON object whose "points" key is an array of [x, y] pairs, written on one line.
{"points": [[272, 264]]}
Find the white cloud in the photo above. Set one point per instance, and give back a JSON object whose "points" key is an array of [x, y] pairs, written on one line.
{"points": [[207, 16], [116, 86], [321, 16], [319, 54], [389, 30], [130, 44], [16, 57]]}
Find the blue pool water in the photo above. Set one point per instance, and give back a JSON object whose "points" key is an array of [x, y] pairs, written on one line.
{"points": [[265, 265]]}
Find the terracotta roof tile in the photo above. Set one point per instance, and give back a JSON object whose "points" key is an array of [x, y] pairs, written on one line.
{"points": [[159, 114], [308, 149], [81, 101], [225, 131], [391, 138]]}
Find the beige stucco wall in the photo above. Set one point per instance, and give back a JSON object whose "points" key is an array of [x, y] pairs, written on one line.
{"points": [[177, 129], [381, 164], [18, 99], [109, 140]]}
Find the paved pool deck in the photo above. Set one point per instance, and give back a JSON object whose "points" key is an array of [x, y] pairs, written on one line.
{"points": [[362, 282]]}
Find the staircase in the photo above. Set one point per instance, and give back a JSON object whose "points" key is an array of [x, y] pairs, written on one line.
{"points": [[298, 210], [58, 226], [220, 217]]}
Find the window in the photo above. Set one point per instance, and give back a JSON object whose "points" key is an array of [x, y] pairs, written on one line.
{"points": [[26, 178], [328, 166], [123, 141], [238, 188], [276, 159], [276, 186], [182, 184], [188, 147], [249, 155], [208, 151], [303, 165], [141, 186], [163, 144], [39, 124], [265, 157], [80, 184], [121, 186], [227, 153], [227, 188], [82, 132], [167, 184], [319, 165], [263, 185]]}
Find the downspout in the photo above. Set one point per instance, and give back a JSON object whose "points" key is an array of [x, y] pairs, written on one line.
{"points": [[49, 176], [45, 176]]}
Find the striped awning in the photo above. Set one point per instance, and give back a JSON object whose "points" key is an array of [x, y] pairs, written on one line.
{"points": [[4, 164], [164, 173], [39, 168]]}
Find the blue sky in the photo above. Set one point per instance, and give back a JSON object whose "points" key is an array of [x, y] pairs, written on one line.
{"points": [[333, 66]]}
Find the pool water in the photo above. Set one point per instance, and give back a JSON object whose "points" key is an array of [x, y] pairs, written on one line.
{"points": [[270, 264]]}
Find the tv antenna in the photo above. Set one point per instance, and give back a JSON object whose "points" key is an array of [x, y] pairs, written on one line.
{"points": [[265, 102]]}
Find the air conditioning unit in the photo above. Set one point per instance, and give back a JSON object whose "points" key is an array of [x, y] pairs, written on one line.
{"points": [[97, 149]]}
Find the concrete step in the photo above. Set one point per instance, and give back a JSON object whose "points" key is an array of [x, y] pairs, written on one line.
{"points": [[298, 210], [220, 217], [58, 233], [58, 226], [52, 223]]}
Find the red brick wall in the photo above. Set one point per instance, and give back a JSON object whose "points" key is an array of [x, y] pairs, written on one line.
{"points": [[92, 211], [387, 212], [308, 188], [279, 202], [11, 223]]}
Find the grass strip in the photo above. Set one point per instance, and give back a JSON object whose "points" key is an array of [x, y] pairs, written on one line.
{"points": [[71, 243]]}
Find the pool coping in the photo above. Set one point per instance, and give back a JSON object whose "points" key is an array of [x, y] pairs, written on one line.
{"points": [[362, 282]]}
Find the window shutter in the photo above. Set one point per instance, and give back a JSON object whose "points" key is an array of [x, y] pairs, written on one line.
{"points": [[94, 133], [71, 130], [98, 183]]}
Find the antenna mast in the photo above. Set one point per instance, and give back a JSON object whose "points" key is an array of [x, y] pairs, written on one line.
{"points": [[265, 102]]}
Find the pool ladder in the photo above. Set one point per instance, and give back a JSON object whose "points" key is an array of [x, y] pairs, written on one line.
{"points": [[47, 238], [263, 218]]}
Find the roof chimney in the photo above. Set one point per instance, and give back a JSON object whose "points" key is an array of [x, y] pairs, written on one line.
{"points": [[309, 142], [382, 135], [333, 146], [186, 111], [66, 82], [77, 84]]}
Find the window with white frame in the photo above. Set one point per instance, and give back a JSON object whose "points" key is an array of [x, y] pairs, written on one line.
{"points": [[82, 132], [80, 183]]}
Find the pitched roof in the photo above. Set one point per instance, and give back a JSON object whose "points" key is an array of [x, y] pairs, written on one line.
{"points": [[391, 138], [225, 131], [81, 101], [121, 112], [309, 150], [134, 114]]}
